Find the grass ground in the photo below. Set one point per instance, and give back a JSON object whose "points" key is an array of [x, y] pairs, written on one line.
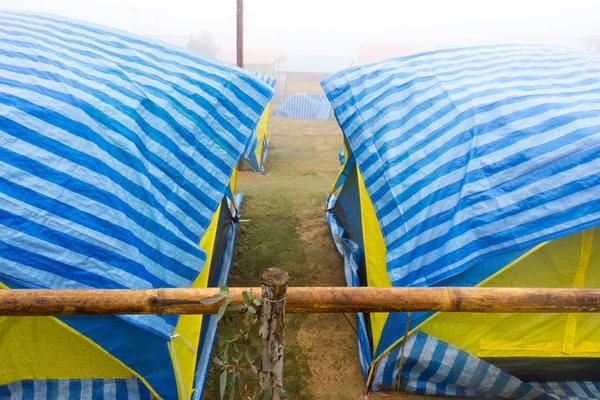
{"points": [[286, 228]]}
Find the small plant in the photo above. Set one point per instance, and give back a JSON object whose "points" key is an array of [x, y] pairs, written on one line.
{"points": [[238, 365]]}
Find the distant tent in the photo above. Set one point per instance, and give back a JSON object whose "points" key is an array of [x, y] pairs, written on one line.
{"points": [[117, 170], [305, 105], [260, 141], [473, 167]]}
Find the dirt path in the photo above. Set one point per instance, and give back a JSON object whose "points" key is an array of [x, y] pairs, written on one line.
{"points": [[287, 229]]}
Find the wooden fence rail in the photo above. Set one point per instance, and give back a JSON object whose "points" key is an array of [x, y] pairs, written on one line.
{"points": [[278, 298], [50, 302]]}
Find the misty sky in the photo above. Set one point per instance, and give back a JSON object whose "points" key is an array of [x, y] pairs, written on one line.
{"points": [[336, 26]]}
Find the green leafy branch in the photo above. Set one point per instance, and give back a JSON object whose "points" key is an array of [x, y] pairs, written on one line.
{"points": [[237, 365]]}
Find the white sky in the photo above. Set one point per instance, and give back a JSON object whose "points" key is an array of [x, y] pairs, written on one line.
{"points": [[334, 26]]}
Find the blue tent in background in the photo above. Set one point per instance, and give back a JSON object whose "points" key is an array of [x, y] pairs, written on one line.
{"points": [[117, 170], [304, 105], [473, 167]]}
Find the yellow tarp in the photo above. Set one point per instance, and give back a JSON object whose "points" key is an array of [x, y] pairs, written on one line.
{"points": [[184, 346], [261, 132], [374, 255], [45, 348], [564, 262]]}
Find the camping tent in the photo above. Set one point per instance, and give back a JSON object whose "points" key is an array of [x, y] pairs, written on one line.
{"points": [[259, 141], [304, 105], [473, 167], [117, 159]]}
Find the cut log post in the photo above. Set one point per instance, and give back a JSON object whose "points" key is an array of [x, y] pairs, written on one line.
{"points": [[274, 283]]}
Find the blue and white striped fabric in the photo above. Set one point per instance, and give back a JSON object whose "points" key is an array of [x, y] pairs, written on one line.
{"points": [[472, 152], [572, 390], [268, 79], [66, 389], [433, 367], [115, 152], [304, 105]]}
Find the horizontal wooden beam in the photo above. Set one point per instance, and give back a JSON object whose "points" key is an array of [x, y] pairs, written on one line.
{"points": [[52, 302]]}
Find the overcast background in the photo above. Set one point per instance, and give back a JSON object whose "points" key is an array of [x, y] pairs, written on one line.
{"points": [[336, 26]]}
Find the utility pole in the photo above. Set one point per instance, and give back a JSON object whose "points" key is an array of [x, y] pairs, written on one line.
{"points": [[240, 56]]}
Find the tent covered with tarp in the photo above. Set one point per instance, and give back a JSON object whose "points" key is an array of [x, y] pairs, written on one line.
{"points": [[305, 106], [258, 145], [473, 167], [117, 170]]}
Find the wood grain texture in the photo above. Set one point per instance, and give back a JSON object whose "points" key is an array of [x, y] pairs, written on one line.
{"points": [[59, 302], [274, 284]]}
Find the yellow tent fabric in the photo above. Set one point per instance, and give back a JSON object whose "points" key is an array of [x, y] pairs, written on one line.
{"points": [[374, 255], [184, 348], [261, 132], [255, 161], [45, 348], [563, 262]]}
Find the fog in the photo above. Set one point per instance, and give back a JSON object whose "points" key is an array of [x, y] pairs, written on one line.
{"points": [[339, 28]]}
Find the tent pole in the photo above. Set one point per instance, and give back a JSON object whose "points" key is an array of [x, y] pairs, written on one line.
{"points": [[58, 302], [241, 166]]}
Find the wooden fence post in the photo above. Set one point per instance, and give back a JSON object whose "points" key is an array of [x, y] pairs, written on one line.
{"points": [[274, 284]]}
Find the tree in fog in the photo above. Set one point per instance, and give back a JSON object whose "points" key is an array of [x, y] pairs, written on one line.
{"points": [[204, 43]]}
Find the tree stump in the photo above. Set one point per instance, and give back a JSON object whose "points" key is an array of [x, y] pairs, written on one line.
{"points": [[274, 284]]}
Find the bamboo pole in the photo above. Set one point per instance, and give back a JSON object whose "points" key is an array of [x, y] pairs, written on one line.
{"points": [[53, 302], [274, 284]]}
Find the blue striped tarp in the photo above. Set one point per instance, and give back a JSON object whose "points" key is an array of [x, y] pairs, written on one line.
{"points": [[433, 367], [268, 79], [472, 152], [66, 389], [571, 390], [115, 152], [304, 105]]}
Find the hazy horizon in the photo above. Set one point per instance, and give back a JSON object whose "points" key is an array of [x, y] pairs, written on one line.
{"points": [[338, 27]]}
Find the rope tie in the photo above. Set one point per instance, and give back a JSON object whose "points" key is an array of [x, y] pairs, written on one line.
{"points": [[276, 303], [179, 335], [176, 361], [177, 368], [350, 323]]}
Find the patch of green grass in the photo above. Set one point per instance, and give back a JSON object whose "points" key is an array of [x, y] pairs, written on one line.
{"points": [[295, 368], [301, 167], [267, 240]]}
